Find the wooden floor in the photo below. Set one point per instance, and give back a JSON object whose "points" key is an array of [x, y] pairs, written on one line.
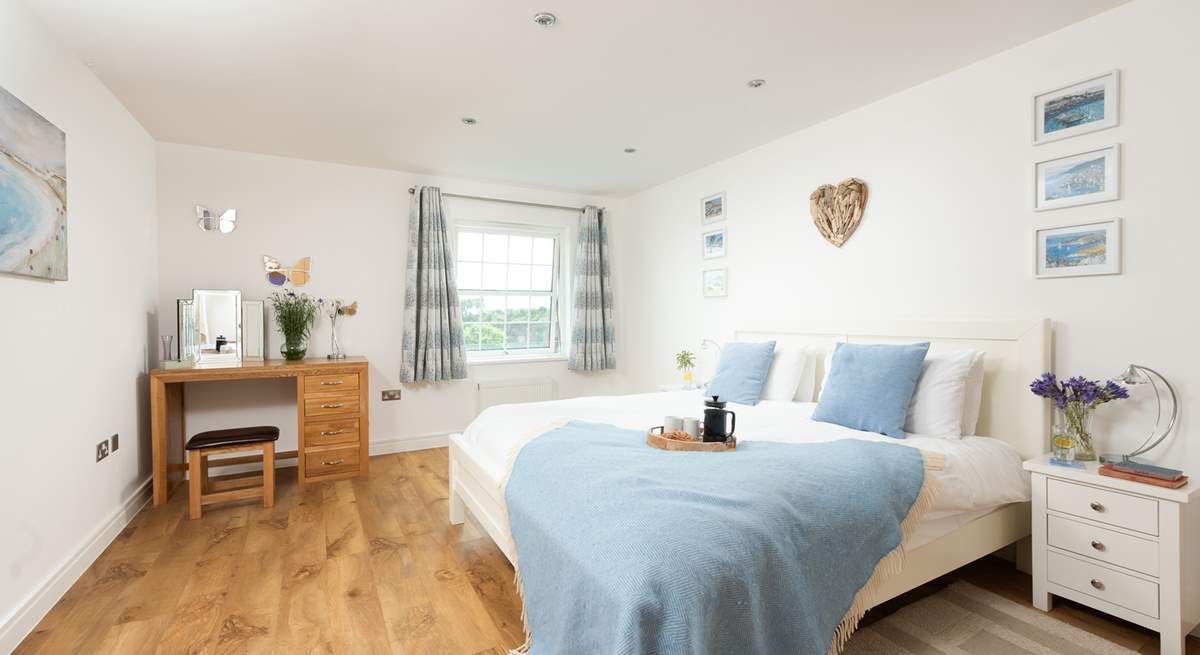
{"points": [[357, 566]]}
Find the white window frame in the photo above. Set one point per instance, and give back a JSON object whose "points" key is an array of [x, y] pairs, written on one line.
{"points": [[559, 293]]}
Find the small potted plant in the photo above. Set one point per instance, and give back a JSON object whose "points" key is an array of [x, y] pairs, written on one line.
{"points": [[685, 361], [295, 315], [1075, 401]]}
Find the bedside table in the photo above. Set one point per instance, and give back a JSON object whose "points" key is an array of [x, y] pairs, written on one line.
{"points": [[1125, 548]]}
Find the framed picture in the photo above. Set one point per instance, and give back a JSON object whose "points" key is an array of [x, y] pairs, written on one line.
{"points": [[714, 208], [716, 283], [714, 243], [1084, 106], [1078, 179], [1078, 249]]}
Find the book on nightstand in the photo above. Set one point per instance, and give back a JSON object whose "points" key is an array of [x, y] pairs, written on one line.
{"points": [[1112, 472]]}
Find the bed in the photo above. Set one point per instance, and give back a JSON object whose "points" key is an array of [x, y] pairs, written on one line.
{"points": [[983, 505]]}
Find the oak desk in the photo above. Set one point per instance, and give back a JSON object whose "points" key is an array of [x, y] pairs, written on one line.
{"points": [[332, 406]]}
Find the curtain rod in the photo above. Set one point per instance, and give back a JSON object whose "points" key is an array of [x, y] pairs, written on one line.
{"points": [[413, 189]]}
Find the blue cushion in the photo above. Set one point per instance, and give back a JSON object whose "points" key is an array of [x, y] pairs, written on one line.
{"points": [[870, 386], [742, 372]]}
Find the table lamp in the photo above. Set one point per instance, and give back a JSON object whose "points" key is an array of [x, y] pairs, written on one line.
{"points": [[1136, 375]]}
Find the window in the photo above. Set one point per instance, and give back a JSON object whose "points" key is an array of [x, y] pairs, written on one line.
{"points": [[509, 290]]}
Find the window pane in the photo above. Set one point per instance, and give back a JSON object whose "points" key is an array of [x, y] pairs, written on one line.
{"points": [[518, 336], [495, 247], [470, 246], [543, 251], [539, 335], [493, 308], [519, 249], [471, 308], [471, 332], [469, 275], [495, 276], [518, 308], [539, 308], [518, 277], [491, 336], [541, 278]]}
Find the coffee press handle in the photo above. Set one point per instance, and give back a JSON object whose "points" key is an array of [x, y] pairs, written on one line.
{"points": [[732, 422]]}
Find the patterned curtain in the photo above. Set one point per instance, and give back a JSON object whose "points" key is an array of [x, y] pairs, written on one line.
{"points": [[593, 346], [432, 348]]}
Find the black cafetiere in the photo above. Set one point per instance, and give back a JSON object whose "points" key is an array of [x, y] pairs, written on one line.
{"points": [[719, 423]]}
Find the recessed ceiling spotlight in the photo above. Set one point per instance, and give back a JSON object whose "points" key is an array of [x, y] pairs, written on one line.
{"points": [[630, 151], [469, 121], [754, 84], [545, 19]]}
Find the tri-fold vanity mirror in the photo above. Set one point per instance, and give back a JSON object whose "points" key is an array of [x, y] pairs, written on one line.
{"points": [[218, 326]]}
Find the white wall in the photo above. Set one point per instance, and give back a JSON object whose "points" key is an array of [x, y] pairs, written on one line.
{"points": [[948, 227], [353, 222], [76, 352]]}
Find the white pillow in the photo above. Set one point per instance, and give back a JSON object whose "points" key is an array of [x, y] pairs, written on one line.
{"points": [[973, 396], [787, 370], [825, 374], [807, 388], [936, 408]]}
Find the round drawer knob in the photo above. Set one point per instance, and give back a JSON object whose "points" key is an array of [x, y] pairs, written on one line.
{"points": [[1097, 584], [1097, 507]]}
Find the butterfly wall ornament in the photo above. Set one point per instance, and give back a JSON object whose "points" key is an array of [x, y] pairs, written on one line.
{"points": [[279, 275], [210, 222]]}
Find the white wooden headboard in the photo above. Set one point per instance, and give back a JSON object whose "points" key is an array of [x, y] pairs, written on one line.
{"points": [[1016, 352]]}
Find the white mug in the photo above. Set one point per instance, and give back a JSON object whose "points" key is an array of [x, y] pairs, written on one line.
{"points": [[672, 424], [692, 426]]}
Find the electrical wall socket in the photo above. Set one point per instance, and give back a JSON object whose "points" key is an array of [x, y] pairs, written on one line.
{"points": [[114, 441], [391, 394], [102, 450]]}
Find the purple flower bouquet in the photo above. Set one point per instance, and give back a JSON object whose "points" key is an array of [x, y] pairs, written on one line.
{"points": [[1075, 400]]}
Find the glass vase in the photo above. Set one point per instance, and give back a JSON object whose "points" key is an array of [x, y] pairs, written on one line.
{"points": [[294, 347], [1074, 423]]}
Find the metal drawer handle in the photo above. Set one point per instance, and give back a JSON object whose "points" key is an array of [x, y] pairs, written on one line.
{"points": [[335, 462], [1097, 584], [1097, 507], [330, 383], [333, 405], [1098, 545], [330, 433]]}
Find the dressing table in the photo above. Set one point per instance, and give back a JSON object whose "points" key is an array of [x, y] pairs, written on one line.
{"points": [[221, 337]]}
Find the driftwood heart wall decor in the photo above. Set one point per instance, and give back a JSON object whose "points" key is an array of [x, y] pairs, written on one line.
{"points": [[837, 211]]}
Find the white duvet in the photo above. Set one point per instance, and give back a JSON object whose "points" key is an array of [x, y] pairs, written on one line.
{"points": [[980, 474]]}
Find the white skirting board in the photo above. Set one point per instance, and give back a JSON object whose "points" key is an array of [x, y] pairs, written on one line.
{"points": [[26, 617]]}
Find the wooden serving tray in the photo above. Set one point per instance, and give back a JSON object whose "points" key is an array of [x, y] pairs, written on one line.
{"points": [[657, 440]]}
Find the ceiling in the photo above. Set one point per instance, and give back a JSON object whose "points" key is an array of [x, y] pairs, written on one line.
{"points": [[385, 83]]}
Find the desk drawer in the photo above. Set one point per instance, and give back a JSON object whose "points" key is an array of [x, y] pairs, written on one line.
{"points": [[336, 382], [1111, 507], [330, 404], [1103, 545], [1106, 584], [330, 462], [328, 432]]}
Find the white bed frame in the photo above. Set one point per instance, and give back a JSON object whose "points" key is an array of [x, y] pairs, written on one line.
{"points": [[1016, 352]]}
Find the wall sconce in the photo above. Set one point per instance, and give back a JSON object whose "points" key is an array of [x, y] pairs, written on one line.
{"points": [[210, 222]]}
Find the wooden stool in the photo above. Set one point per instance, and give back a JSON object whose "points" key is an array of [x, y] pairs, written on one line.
{"points": [[219, 442]]}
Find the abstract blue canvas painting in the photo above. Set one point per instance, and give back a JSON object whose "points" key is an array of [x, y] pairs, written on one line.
{"points": [[33, 192]]}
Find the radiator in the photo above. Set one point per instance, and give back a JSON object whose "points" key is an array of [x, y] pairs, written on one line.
{"points": [[503, 392]]}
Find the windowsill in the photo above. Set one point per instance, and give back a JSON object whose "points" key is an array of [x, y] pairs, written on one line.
{"points": [[521, 359]]}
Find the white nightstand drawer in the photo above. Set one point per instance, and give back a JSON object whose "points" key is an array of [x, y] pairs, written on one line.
{"points": [[1112, 507], [1117, 588], [1104, 545]]}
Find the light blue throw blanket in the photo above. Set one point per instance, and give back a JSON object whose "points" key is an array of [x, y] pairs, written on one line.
{"points": [[626, 549]]}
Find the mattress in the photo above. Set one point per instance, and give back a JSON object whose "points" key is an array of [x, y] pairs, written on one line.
{"points": [[980, 475]]}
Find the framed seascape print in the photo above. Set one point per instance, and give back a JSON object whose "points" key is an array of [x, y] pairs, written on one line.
{"points": [[1079, 249], [714, 243], [1085, 106], [1078, 179], [714, 208], [716, 283], [33, 192]]}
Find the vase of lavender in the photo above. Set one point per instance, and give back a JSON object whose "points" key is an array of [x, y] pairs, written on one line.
{"points": [[1075, 401], [295, 315]]}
